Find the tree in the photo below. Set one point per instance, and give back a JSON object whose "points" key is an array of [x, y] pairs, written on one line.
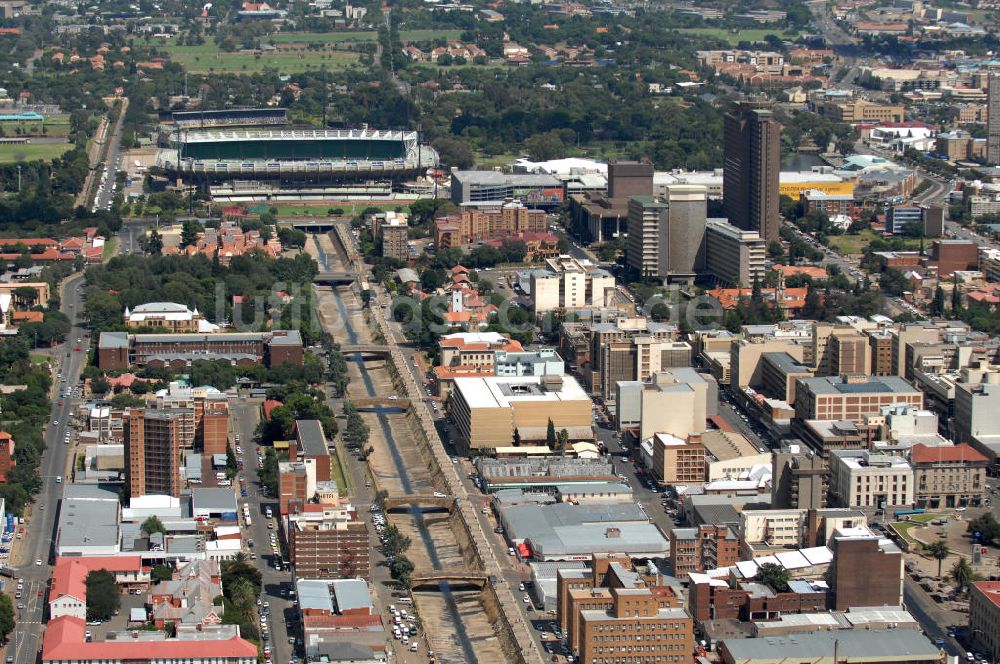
{"points": [[153, 525], [103, 598], [232, 465], [154, 243], [956, 296], [962, 575], [189, 233], [987, 526], [161, 573], [563, 441], [775, 576], [938, 551], [239, 576], [775, 251], [550, 435], [937, 307], [6, 617]]}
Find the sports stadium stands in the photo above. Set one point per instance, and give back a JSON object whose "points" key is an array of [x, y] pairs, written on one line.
{"points": [[295, 154], [233, 117]]}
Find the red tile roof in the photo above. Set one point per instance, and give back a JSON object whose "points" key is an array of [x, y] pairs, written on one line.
{"points": [[921, 453], [69, 578], [28, 242], [989, 589], [64, 641], [28, 317], [341, 622], [270, 405]]}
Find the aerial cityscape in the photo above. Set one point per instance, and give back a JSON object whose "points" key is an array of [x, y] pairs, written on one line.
{"points": [[467, 331]]}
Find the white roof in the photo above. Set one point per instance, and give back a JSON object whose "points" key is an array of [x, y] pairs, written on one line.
{"points": [[794, 177], [792, 560], [477, 337], [567, 166], [222, 531], [153, 501], [224, 545], [817, 555], [489, 392]]}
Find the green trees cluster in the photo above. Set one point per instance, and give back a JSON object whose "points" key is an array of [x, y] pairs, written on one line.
{"points": [[299, 402], [241, 586], [6, 617], [337, 371], [25, 414], [774, 576], [356, 432], [987, 527], [394, 549], [268, 472], [103, 596], [153, 525]]}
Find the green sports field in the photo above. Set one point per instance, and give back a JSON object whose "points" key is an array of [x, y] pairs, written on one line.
{"points": [[12, 152], [208, 58], [736, 36]]}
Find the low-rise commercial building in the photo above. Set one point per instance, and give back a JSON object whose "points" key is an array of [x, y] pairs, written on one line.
{"points": [[900, 646], [948, 476], [121, 350]]}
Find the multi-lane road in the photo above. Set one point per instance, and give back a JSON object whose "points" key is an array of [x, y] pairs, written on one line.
{"points": [[35, 552]]}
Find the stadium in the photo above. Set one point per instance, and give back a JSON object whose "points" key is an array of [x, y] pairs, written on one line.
{"points": [[313, 155]]}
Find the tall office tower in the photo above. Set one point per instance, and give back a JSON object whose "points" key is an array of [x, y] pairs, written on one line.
{"points": [[153, 450], [751, 167], [993, 119]]}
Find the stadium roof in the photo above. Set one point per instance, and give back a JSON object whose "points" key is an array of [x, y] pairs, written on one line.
{"points": [[239, 135]]}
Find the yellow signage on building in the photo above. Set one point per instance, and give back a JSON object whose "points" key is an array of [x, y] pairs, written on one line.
{"points": [[793, 189]]}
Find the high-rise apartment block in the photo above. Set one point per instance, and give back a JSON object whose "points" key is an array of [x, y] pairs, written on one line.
{"points": [[328, 542], [153, 451], [666, 235], [993, 120], [392, 228], [468, 227], [752, 155], [631, 349]]}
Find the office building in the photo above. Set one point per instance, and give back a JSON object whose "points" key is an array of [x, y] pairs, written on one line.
{"points": [[676, 401], [153, 450], [863, 111], [779, 374], [750, 173], [493, 188], [976, 408], [327, 542], [635, 623], [984, 616], [839, 350], [666, 235], [489, 412], [630, 349], [993, 120], [207, 430], [899, 218], [948, 477], [834, 205], [629, 178], [733, 255], [678, 461], [730, 455], [703, 548], [851, 398], [867, 570], [799, 479], [862, 478], [214, 429]]}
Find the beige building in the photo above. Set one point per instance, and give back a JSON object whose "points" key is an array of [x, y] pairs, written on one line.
{"points": [[678, 461], [488, 411], [745, 355], [948, 477], [168, 317], [779, 373], [729, 455], [674, 402], [571, 283], [861, 478], [734, 255], [631, 349], [862, 110], [840, 350]]}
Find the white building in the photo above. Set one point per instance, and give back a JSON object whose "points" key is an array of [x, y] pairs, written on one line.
{"points": [[861, 478], [570, 283]]}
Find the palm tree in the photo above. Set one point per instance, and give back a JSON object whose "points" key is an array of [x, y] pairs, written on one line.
{"points": [[938, 551], [962, 575]]}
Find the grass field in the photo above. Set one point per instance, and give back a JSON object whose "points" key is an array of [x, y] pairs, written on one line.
{"points": [[359, 36], [208, 58], [855, 244], [11, 152], [735, 37], [39, 359], [322, 209], [56, 125], [110, 248]]}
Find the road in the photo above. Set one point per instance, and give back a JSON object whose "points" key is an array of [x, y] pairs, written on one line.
{"points": [[112, 163], [40, 531], [282, 612]]}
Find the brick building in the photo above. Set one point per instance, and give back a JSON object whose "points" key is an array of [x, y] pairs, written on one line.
{"points": [[701, 548], [120, 350], [325, 542], [948, 476], [153, 451]]}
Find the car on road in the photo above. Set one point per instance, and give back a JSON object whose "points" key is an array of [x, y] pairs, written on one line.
{"points": [[38, 562]]}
